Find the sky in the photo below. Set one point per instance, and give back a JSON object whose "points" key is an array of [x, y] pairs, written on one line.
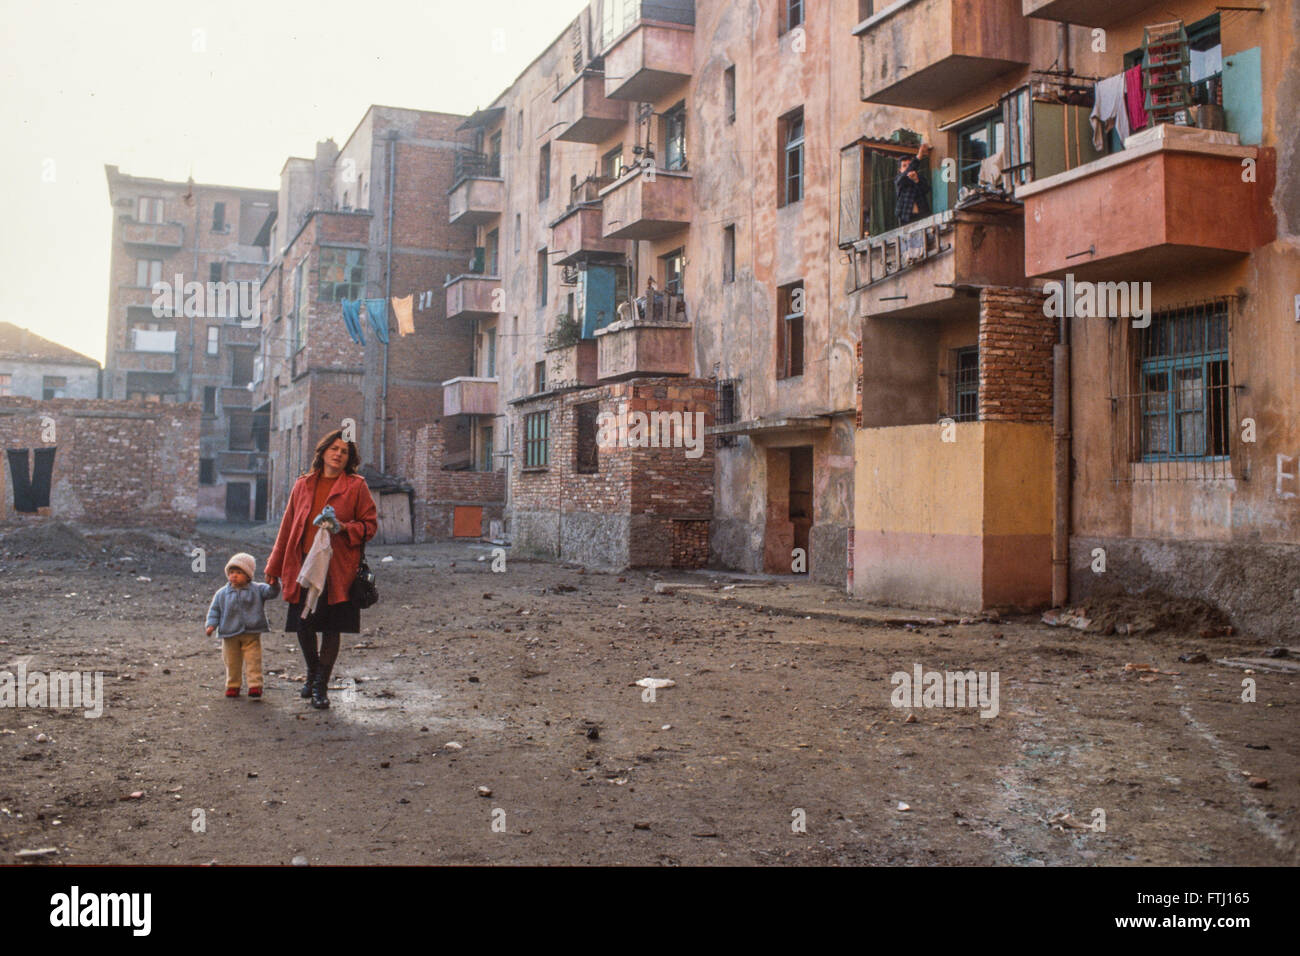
{"points": [[221, 91]]}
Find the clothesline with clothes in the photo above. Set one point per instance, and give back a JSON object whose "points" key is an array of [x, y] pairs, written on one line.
{"points": [[1118, 105], [377, 316]]}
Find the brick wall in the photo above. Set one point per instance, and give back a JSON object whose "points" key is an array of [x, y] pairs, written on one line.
{"points": [[438, 492], [1015, 343], [116, 463], [657, 502]]}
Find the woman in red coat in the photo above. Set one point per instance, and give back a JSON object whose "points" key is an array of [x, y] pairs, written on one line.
{"points": [[333, 481]]}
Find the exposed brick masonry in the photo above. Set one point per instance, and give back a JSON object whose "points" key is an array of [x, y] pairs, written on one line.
{"points": [[1015, 343]]}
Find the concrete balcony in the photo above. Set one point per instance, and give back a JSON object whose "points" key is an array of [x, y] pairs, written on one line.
{"points": [[475, 200], [155, 235], [241, 462], [646, 204], [918, 270], [233, 396], [1091, 13], [579, 234], [927, 53], [649, 60], [158, 362], [473, 296], [469, 396], [1173, 201], [585, 114], [634, 349], [571, 365]]}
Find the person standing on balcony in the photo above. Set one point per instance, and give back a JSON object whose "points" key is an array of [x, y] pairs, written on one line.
{"points": [[912, 187]]}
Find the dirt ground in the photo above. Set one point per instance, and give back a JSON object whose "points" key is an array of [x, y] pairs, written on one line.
{"points": [[781, 713]]}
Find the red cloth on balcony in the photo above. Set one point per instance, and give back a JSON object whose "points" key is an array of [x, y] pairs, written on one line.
{"points": [[1135, 98]]}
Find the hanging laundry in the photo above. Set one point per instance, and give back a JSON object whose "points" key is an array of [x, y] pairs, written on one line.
{"points": [[1135, 98], [377, 312], [1109, 111], [405, 320], [352, 320]]}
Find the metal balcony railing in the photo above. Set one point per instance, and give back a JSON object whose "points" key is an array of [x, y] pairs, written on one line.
{"points": [[471, 165]]}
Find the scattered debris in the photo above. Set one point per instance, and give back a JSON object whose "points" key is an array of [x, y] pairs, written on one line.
{"points": [[132, 796], [903, 807], [1196, 657], [453, 745], [42, 738], [1064, 820], [655, 683], [300, 860], [485, 791], [30, 854], [1259, 783]]}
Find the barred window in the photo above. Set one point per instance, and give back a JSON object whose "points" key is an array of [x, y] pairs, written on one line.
{"points": [[586, 450], [1174, 418], [536, 439], [726, 409], [965, 392]]}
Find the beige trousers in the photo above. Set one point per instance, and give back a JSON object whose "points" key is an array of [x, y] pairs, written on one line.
{"points": [[243, 652]]}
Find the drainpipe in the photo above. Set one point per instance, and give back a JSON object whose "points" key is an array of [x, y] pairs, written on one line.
{"points": [[1061, 466], [388, 294]]}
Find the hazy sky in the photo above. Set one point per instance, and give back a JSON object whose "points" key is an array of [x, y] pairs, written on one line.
{"points": [[121, 82]]}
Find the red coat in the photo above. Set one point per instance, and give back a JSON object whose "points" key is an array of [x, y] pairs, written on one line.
{"points": [[357, 515]]}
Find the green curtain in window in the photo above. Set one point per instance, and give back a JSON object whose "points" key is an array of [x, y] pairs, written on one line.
{"points": [[883, 169]]}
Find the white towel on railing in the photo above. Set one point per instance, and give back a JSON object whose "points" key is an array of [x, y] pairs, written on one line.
{"points": [[1109, 109]]}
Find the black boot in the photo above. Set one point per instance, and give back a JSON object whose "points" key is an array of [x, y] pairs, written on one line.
{"points": [[319, 691], [307, 684]]}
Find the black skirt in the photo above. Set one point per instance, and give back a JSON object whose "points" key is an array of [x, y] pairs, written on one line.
{"points": [[343, 618]]}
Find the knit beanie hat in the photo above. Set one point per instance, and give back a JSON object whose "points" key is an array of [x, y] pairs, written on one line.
{"points": [[245, 562]]}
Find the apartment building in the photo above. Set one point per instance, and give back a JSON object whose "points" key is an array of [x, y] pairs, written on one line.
{"points": [[367, 225], [1018, 449], [182, 327]]}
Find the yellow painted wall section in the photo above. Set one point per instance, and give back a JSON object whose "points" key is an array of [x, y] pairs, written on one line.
{"points": [[907, 479], [1018, 491]]}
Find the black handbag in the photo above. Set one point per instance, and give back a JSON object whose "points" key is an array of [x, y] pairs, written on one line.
{"points": [[363, 591]]}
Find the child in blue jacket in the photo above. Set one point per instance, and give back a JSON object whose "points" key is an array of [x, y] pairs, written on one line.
{"points": [[238, 616]]}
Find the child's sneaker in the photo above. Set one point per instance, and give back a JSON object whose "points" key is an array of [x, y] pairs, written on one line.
{"points": [[232, 691], [254, 692]]}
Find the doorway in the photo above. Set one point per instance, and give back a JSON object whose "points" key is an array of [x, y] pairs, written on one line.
{"points": [[237, 501], [789, 510]]}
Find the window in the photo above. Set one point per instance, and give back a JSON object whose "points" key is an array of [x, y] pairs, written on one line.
{"points": [[674, 129], [207, 472], [541, 278], [241, 367], [1017, 117], [214, 339], [487, 457], [729, 92], [586, 451], [299, 310], [964, 404], [539, 377], [54, 386], [209, 400], [149, 209], [241, 431], [864, 9], [214, 272], [6, 383], [536, 427], [147, 272], [519, 232], [729, 254], [790, 135], [519, 130], [490, 353], [791, 15], [492, 245], [790, 308], [494, 153], [674, 269], [728, 409], [611, 164], [544, 174], [976, 142], [1182, 360], [342, 274], [219, 217]]}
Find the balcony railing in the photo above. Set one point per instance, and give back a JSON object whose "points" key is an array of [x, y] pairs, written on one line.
{"points": [[477, 165], [646, 204], [473, 296], [585, 114], [162, 235], [150, 340], [469, 395]]}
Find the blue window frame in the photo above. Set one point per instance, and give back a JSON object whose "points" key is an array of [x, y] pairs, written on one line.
{"points": [[1184, 385]]}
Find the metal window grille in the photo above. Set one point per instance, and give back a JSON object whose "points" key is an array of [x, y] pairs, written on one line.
{"points": [[726, 409], [965, 388], [1174, 409]]}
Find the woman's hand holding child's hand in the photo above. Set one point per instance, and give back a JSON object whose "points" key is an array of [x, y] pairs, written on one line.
{"points": [[210, 629]]}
